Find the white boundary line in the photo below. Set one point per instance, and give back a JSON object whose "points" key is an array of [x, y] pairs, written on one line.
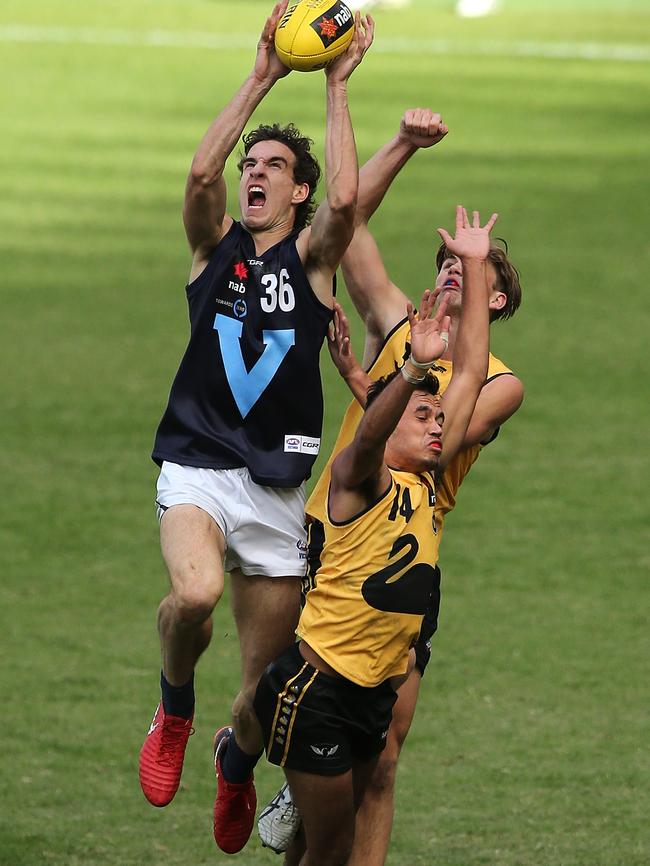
{"points": [[233, 42]]}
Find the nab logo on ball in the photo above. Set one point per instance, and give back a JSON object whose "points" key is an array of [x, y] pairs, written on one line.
{"points": [[312, 33], [333, 24]]}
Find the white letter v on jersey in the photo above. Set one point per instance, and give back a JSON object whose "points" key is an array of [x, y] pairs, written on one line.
{"points": [[248, 386]]}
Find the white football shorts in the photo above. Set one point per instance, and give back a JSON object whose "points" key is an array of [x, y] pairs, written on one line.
{"points": [[264, 527]]}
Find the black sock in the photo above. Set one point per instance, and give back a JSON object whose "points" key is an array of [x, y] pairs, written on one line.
{"points": [[178, 700], [236, 765]]}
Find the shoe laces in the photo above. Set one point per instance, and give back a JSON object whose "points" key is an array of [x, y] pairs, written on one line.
{"points": [[172, 736]]}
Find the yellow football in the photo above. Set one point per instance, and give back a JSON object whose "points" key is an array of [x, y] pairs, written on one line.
{"points": [[313, 32]]}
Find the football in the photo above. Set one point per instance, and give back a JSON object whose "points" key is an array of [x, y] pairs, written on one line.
{"points": [[311, 33]]}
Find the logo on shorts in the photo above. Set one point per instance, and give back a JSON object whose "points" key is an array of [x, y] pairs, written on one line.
{"points": [[302, 547], [301, 444], [325, 750]]}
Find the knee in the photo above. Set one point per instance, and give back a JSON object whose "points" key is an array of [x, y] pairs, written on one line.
{"points": [[194, 598], [341, 850], [382, 781], [335, 852]]}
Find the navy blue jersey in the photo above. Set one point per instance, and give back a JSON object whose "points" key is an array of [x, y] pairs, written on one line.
{"points": [[248, 390]]}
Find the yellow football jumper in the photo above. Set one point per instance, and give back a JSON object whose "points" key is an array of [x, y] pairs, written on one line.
{"points": [[375, 581]]}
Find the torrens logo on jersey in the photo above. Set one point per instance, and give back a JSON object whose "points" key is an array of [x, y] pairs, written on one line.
{"points": [[331, 25], [297, 444]]}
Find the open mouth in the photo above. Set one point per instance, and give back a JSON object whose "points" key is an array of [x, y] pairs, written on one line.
{"points": [[256, 197], [451, 283]]}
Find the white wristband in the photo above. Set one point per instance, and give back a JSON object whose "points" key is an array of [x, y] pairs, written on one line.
{"points": [[412, 376], [421, 365]]}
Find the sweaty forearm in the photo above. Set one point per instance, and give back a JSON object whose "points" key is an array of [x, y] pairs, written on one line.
{"points": [[473, 338], [376, 175], [224, 132], [382, 416], [358, 381], [341, 165]]}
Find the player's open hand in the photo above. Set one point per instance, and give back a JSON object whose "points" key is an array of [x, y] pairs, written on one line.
{"points": [[338, 343], [471, 241], [429, 332], [342, 67], [421, 127], [268, 66]]}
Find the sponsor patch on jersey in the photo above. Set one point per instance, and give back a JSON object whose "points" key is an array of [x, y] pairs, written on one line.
{"points": [[241, 271], [301, 444], [239, 308]]}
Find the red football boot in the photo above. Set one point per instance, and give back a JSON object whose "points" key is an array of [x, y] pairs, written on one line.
{"points": [[234, 807], [161, 758]]}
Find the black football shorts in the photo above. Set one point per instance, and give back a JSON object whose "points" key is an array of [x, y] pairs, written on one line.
{"points": [[428, 628], [318, 723]]}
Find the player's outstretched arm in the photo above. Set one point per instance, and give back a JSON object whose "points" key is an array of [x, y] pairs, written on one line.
{"points": [[379, 302], [333, 223], [359, 473], [471, 244], [204, 212], [419, 128], [344, 359], [498, 401]]}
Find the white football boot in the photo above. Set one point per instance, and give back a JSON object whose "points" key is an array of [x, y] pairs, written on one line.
{"points": [[279, 822]]}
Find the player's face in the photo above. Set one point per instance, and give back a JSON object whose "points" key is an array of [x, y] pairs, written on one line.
{"points": [[268, 192], [416, 442], [450, 282]]}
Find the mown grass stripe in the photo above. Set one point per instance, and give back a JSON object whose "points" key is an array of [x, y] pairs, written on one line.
{"points": [[599, 51]]}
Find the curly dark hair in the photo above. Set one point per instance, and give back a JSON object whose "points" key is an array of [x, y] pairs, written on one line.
{"points": [[306, 170], [430, 384], [507, 279]]}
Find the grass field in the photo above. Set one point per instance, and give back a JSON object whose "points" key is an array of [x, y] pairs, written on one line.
{"points": [[530, 743]]}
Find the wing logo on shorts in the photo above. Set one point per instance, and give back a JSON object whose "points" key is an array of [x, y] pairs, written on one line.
{"points": [[325, 750]]}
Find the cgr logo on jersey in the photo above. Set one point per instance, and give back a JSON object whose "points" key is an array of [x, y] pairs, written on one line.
{"points": [[325, 750], [333, 23], [294, 443]]}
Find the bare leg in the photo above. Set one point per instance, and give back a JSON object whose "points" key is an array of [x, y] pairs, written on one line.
{"points": [[374, 820], [326, 804], [193, 547], [296, 850], [266, 611]]}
